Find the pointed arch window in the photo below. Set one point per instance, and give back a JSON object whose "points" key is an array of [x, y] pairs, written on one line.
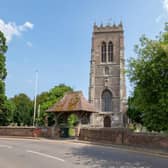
{"points": [[110, 52], [103, 52], [106, 101]]}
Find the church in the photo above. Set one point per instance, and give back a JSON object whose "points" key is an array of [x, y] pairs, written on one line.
{"points": [[107, 90]]}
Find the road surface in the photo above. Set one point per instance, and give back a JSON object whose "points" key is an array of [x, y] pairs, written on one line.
{"points": [[30, 153]]}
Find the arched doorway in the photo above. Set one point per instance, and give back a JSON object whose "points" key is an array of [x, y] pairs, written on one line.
{"points": [[72, 122], [107, 121]]}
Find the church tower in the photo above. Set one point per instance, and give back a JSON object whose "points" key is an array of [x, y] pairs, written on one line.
{"points": [[107, 90]]}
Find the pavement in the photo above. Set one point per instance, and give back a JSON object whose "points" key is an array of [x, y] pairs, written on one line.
{"points": [[69, 153]]}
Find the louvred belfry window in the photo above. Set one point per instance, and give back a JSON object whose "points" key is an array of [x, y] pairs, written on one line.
{"points": [[110, 52], [103, 52]]}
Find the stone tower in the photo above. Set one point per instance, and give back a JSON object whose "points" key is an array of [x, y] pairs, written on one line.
{"points": [[107, 90]]}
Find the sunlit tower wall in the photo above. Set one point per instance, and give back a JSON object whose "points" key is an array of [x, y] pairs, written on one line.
{"points": [[107, 91]]}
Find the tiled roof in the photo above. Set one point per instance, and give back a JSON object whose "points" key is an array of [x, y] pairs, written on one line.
{"points": [[72, 101]]}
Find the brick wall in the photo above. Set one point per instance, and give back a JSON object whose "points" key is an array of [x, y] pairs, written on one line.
{"points": [[124, 137], [49, 132], [17, 131], [150, 140], [109, 135]]}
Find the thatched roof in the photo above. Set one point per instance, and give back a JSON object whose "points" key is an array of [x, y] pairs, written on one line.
{"points": [[72, 101]]}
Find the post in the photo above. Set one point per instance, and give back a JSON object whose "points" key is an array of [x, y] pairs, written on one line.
{"points": [[38, 115], [35, 95]]}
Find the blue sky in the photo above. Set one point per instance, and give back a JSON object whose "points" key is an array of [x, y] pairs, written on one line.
{"points": [[54, 37]]}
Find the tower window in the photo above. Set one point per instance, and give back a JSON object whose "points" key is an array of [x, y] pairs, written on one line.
{"points": [[106, 70], [110, 51], [106, 101], [103, 52]]}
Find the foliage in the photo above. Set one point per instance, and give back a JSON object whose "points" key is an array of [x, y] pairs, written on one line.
{"points": [[72, 120], [133, 112], [3, 50], [9, 111], [149, 74], [3, 73], [23, 111], [47, 99]]}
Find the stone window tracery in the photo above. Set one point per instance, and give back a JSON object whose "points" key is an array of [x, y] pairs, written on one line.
{"points": [[110, 52], [103, 52], [106, 101]]}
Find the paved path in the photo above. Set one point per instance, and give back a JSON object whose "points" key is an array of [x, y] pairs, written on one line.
{"points": [[29, 153]]}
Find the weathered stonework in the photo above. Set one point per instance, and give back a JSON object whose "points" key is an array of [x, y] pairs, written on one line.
{"points": [[108, 75]]}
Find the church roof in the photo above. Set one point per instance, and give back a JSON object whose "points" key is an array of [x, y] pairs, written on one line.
{"points": [[71, 102]]}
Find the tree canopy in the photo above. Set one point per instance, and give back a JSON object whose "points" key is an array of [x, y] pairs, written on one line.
{"points": [[149, 74], [3, 74], [47, 99], [22, 110]]}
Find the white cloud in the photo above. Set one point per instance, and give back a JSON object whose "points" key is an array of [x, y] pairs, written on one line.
{"points": [[25, 26], [29, 44], [10, 29], [165, 5], [162, 17]]}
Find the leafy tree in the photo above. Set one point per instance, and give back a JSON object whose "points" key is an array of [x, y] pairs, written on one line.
{"points": [[133, 112], [23, 112], [72, 120], [3, 73], [47, 99], [9, 111], [149, 74]]}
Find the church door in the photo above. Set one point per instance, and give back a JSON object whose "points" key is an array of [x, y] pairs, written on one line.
{"points": [[107, 121]]}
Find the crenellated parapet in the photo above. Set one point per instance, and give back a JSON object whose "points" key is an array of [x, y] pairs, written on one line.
{"points": [[108, 28]]}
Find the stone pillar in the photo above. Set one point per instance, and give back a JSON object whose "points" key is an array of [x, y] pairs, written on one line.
{"points": [[122, 80], [92, 75]]}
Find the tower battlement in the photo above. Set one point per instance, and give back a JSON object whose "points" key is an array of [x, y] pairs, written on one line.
{"points": [[108, 28]]}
